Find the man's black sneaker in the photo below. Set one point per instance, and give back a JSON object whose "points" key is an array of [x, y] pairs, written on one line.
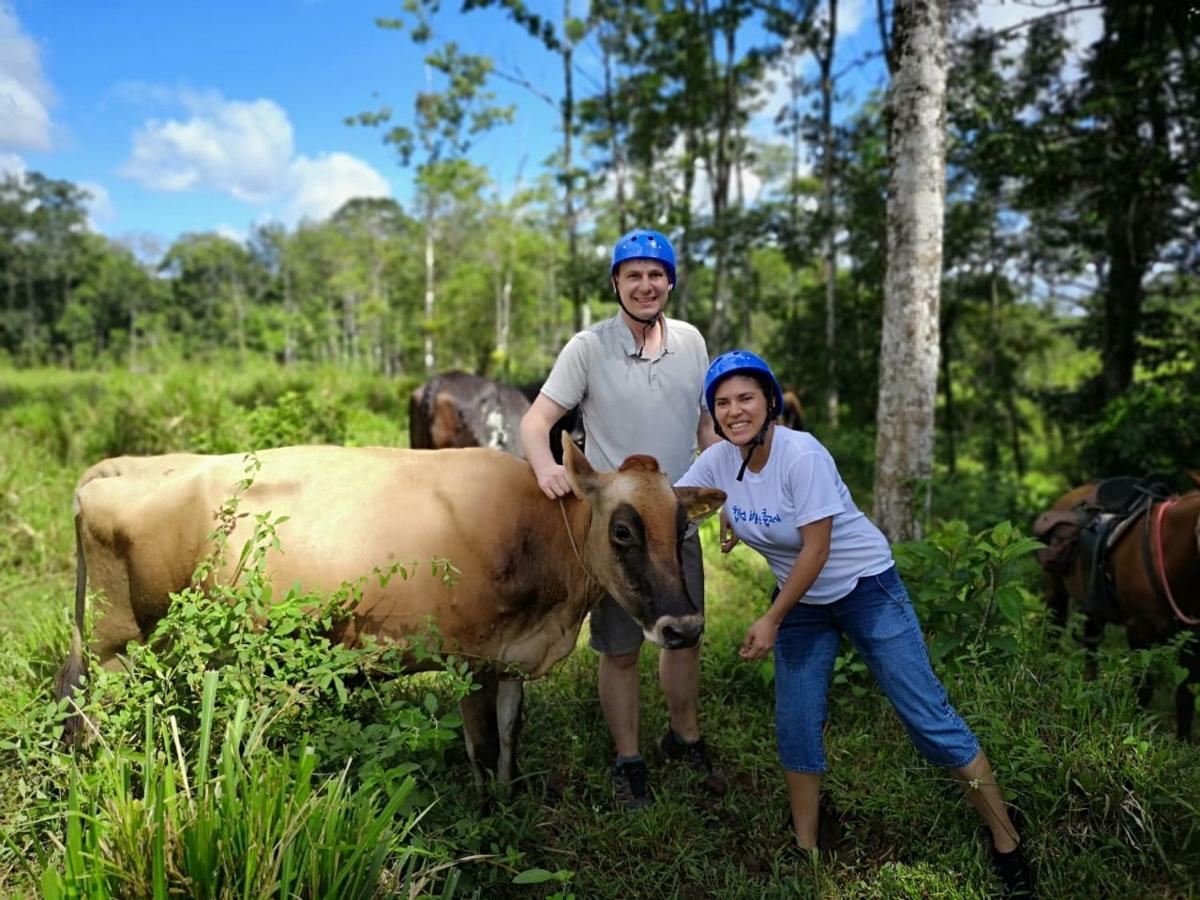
{"points": [[629, 785], [694, 756]]}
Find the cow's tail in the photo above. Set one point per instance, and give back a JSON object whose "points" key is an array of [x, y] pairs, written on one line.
{"points": [[70, 676]]}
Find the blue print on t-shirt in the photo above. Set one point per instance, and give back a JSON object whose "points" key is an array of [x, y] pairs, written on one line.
{"points": [[757, 517]]}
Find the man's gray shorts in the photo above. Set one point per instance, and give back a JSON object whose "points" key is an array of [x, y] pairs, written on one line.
{"points": [[615, 633]]}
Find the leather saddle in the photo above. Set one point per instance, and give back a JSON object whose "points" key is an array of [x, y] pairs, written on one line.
{"points": [[1092, 528]]}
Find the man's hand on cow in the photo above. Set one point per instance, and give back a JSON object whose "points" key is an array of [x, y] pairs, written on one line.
{"points": [[729, 540], [553, 482]]}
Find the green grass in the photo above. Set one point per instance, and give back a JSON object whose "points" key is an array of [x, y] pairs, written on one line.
{"points": [[1112, 800]]}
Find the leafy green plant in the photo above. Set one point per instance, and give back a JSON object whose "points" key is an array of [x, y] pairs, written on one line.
{"points": [[967, 589], [241, 822], [1149, 428], [296, 418]]}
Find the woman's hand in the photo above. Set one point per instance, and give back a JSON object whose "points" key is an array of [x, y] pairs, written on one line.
{"points": [[760, 638], [728, 538]]}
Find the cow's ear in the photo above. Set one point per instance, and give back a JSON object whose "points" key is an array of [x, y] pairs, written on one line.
{"points": [[700, 502], [1195, 476], [584, 480]]}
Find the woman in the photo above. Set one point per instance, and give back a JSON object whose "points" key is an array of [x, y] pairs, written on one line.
{"points": [[835, 575]]}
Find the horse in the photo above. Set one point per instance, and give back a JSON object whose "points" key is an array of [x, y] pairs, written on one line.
{"points": [[1152, 569]]}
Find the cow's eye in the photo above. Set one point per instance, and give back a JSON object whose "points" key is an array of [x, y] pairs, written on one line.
{"points": [[621, 533]]}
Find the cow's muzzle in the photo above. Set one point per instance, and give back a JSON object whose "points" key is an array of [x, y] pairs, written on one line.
{"points": [[676, 632]]}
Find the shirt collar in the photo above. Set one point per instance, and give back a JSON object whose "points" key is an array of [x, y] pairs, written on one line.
{"points": [[629, 343]]}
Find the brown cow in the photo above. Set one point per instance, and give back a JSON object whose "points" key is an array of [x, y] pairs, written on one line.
{"points": [[531, 568], [457, 409]]}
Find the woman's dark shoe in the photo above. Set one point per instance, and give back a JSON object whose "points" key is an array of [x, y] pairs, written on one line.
{"points": [[1012, 868], [830, 822]]}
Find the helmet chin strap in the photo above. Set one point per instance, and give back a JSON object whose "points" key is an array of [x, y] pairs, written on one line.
{"points": [[758, 440], [646, 323]]}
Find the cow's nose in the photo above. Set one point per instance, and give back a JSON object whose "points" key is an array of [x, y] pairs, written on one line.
{"points": [[678, 635]]}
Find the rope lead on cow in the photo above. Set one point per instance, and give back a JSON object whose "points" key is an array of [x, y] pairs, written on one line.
{"points": [[571, 536]]}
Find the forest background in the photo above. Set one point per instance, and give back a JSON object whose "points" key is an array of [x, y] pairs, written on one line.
{"points": [[1069, 317]]}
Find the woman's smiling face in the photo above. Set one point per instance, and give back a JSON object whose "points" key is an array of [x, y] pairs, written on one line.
{"points": [[741, 408]]}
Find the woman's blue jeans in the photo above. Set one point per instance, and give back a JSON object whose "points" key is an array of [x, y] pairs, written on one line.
{"points": [[878, 618]]}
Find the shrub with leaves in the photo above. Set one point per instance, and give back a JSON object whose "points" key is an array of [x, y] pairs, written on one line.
{"points": [[968, 589], [1149, 428]]}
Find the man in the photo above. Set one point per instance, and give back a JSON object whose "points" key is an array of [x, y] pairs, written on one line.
{"points": [[638, 380]]}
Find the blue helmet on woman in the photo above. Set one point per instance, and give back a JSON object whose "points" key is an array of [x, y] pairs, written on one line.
{"points": [[743, 362], [641, 243]]}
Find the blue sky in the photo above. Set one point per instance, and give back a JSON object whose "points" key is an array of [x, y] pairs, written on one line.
{"points": [[187, 116], [198, 116]]}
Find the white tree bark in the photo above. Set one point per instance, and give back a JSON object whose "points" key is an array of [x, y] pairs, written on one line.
{"points": [[916, 192], [430, 295]]}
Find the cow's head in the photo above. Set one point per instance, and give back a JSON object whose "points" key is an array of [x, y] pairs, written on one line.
{"points": [[633, 544]]}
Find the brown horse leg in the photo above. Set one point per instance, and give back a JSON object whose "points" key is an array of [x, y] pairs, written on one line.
{"points": [[1185, 698], [1093, 634], [1054, 590], [1140, 637]]}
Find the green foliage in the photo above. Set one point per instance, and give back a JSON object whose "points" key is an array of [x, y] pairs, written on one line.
{"points": [[1109, 794], [294, 419], [241, 822], [966, 591], [981, 498], [1150, 428]]}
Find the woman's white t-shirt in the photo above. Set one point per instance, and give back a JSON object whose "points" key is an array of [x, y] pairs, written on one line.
{"points": [[798, 485]]}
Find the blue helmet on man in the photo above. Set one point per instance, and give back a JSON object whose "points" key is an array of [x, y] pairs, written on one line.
{"points": [[743, 362], [642, 243]]}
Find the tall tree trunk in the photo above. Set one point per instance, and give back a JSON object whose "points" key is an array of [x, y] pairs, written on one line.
{"points": [[618, 152], [568, 127], [827, 169], [991, 454], [950, 426], [915, 209], [508, 263], [289, 315], [796, 84], [429, 288], [717, 165], [682, 292], [1014, 423]]}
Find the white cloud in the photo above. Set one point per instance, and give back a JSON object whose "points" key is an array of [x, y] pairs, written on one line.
{"points": [[851, 16], [244, 149], [241, 148], [317, 187], [25, 95], [11, 164], [98, 204], [237, 235]]}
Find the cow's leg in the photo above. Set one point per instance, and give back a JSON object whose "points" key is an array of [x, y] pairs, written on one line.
{"points": [[1185, 699], [509, 697], [478, 710]]}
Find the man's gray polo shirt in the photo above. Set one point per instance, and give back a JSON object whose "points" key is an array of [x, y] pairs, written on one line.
{"points": [[631, 404]]}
